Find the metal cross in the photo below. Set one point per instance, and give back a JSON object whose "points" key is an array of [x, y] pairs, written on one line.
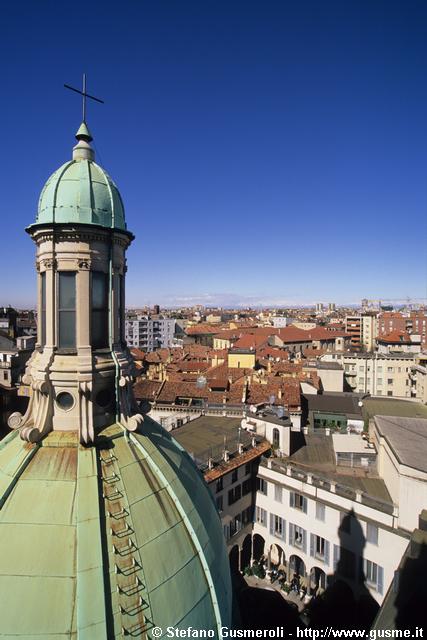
{"points": [[84, 94]]}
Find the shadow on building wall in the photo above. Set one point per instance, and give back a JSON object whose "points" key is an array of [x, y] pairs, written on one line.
{"points": [[346, 603], [405, 605], [411, 591]]}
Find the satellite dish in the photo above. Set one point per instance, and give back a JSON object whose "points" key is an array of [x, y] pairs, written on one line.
{"points": [[252, 408]]}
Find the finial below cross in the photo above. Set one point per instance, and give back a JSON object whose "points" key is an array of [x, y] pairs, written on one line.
{"points": [[84, 94]]}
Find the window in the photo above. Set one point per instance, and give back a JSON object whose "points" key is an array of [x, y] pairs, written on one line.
{"points": [[345, 522], [379, 381], [99, 310], [261, 486], [297, 501], [247, 486], [379, 369], [234, 476], [320, 511], [373, 574], [344, 562], [276, 438], [278, 493], [67, 309], [261, 516], [219, 485], [219, 503], [43, 309], [389, 369], [120, 308], [361, 380], [5, 375], [247, 468], [319, 548], [372, 533], [361, 368], [389, 393], [247, 515], [277, 526], [234, 494], [235, 525], [297, 537], [389, 380]]}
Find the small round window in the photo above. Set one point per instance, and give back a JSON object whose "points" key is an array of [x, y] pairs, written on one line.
{"points": [[65, 400], [103, 398]]}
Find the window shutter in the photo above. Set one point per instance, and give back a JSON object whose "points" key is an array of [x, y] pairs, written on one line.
{"points": [[380, 580], [272, 524], [312, 545], [336, 556], [291, 499], [291, 533], [363, 569], [304, 540], [327, 552], [304, 504], [283, 529]]}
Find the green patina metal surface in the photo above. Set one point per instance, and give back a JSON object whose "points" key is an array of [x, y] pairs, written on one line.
{"points": [[81, 192], [114, 539]]}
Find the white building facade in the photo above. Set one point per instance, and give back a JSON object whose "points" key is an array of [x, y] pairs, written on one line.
{"points": [[148, 334]]}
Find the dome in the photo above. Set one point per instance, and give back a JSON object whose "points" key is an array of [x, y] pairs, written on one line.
{"points": [[80, 191], [109, 540]]}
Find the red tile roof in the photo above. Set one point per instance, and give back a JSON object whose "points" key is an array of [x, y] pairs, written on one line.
{"points": [[250, 341], [396, 337], [146, 389]]}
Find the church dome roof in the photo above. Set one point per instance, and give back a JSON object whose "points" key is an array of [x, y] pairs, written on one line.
{"points": [[110, 540], [81, 191]]}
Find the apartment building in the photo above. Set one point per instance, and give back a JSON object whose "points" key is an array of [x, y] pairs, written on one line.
{"points": [[314, 519], [379, 374], [412, 322], [149, 332], [363, 330]]}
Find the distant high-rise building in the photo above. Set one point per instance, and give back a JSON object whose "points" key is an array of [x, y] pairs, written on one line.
{"points": [[331, 307], [148, 334], [156, 309], [319, 307]]}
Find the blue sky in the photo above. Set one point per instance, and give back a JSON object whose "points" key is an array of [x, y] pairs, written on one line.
{"points": [[267, 151]]}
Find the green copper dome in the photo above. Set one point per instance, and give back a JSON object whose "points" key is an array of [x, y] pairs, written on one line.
{"points": [[81, 191], [108, 541]]}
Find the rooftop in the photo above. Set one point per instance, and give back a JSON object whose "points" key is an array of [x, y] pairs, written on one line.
{"points": [[408, 439], [393, 407], [351, 443], [343, 403], [207, 437], [207, 432], [317, 456]]}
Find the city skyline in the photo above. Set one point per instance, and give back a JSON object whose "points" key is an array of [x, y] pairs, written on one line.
{"points": [[264, 156]]}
